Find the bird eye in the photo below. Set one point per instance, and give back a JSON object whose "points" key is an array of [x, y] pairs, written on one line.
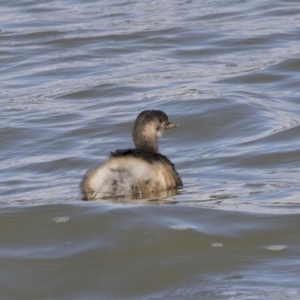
{"points": [[157, 128]]}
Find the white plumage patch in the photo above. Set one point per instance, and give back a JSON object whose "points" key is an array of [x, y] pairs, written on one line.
{"points": [[123, 176]]}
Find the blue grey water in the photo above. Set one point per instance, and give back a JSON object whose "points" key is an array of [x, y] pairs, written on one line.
{"points": [[75, 74]]}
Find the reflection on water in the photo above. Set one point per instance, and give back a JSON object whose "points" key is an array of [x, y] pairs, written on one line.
{"points": [[160, 197], [75, 75]]}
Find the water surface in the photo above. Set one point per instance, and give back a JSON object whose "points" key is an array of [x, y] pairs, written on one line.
{"points": [[75, 74]]}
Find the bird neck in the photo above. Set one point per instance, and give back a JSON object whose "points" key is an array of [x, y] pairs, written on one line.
{"points": [[145, 137], [146, 144]]}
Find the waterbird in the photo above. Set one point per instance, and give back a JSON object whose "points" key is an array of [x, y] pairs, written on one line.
{"points": [[135, 171]]}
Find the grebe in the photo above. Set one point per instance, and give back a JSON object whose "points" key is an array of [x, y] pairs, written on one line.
{"points": [[142, 170]]}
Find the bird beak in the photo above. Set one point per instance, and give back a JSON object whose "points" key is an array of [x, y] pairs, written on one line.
{"points": [[171, 125]]}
